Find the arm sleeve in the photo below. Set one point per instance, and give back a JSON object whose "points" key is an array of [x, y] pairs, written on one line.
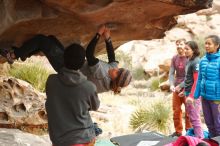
{"points": [[94, 102], [197, 90], [171, 73], [110, 50], [92, 60], [195, 77]]}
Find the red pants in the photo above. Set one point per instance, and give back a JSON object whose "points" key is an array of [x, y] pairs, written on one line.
{"points": [[92, 143], [177, 114], [85, 144]]}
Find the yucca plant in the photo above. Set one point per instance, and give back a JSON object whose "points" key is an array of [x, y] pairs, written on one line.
{"points": [[138, 118], [35, 74], [156, 117]]}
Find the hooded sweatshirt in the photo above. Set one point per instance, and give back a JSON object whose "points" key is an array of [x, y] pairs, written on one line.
{"points": [[208, 84], [70, 97]]}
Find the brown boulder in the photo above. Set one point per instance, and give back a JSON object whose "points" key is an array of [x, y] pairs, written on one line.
{"points": [[21, 107], [78, 20]]}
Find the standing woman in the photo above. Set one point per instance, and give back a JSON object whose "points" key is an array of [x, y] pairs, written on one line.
{"points": [[208, 86], [193, 107]]}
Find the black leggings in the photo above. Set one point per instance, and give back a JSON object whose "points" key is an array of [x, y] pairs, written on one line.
{"points": [[54, 50], [49, 45]]}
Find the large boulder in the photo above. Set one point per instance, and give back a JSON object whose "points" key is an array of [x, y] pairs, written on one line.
{"points": [[155, 55], [15, 137], [78, 20], [22, 107]]}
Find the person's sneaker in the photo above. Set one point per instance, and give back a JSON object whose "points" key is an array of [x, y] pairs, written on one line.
{"points": [[175, 134], [23, 58], [7, 54]]}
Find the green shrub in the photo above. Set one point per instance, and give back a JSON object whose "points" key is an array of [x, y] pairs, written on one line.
{"points": [[34, 74], [208, 18], [138, 118], [155, 84], [138, 73], [156, 117], [124, 59]]}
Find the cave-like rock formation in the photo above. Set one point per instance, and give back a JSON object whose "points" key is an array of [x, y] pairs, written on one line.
{"points": [[77, 20]]}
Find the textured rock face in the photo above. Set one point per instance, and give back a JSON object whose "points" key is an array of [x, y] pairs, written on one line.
{"points": [[77, 20], [21, 106]]}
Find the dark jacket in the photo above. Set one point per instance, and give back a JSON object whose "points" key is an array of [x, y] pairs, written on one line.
{"points": [[192, 66], [70, 97]]}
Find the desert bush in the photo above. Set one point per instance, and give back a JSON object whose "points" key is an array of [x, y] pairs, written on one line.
{"points": [[155, 84], [124, 59], [156, 117], [35, 74], [138, 73], [208, 18]]}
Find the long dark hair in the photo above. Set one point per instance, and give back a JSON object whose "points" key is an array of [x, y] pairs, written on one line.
{"points": [[194, 46], [215, 39]]}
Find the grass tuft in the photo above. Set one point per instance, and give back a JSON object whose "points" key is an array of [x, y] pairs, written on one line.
{"points": [[34, 74]]}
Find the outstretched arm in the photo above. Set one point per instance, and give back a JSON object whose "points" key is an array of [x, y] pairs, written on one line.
{"points": [[109, 46], [91, 59]]}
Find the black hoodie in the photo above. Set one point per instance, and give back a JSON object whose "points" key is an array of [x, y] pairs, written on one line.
{"points": [[70, 97]]}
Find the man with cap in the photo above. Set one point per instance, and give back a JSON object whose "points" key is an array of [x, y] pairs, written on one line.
{"points": [[105, 75]]}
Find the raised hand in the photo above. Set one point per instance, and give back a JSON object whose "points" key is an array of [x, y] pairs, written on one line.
{"points": [[181, 94], [101, 29], [189, 100], [106, 33], [172, 88]]}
